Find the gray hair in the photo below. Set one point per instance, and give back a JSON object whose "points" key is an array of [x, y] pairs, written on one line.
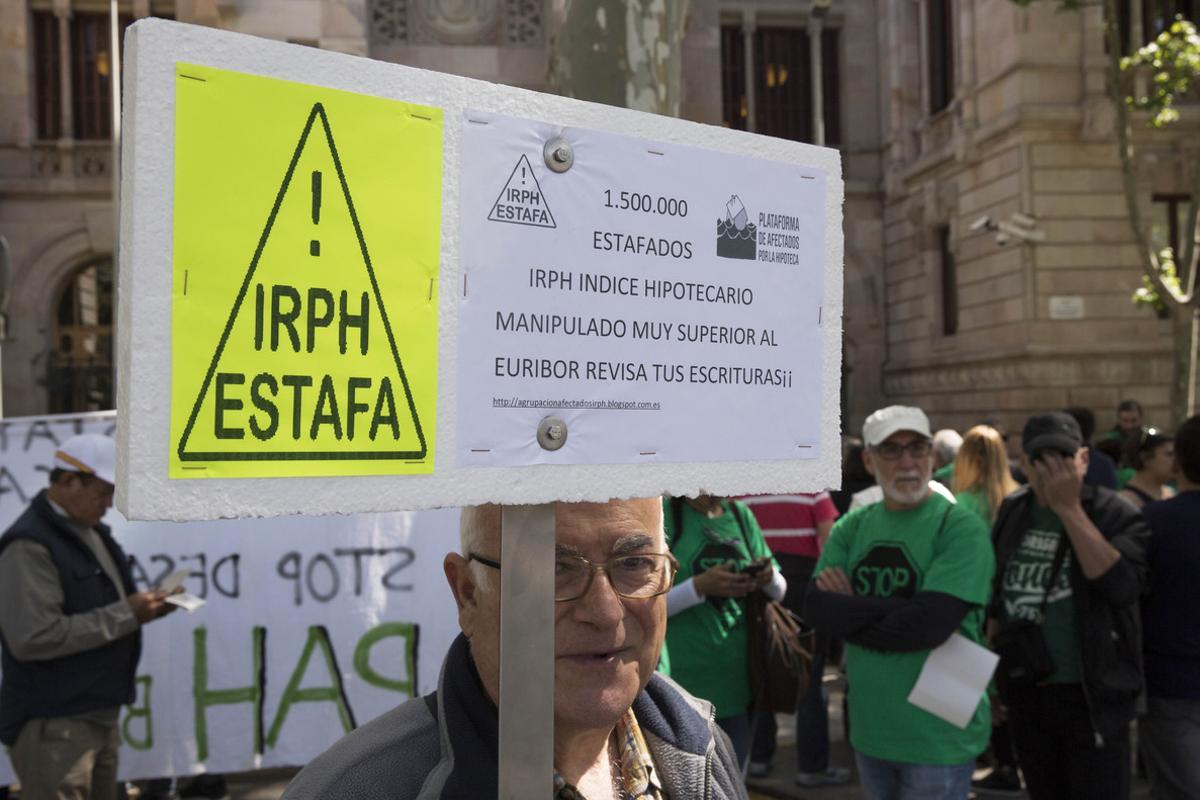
{"points": [[474, 524], [945, 445]]}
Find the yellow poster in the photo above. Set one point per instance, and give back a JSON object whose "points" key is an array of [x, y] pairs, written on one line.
{"points": [[304, 307]]}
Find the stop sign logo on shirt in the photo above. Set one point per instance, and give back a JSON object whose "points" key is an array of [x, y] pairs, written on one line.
{"points": [[887, 570]]}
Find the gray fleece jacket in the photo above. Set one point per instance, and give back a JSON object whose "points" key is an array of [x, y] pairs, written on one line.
{"points": [[444, 745]]}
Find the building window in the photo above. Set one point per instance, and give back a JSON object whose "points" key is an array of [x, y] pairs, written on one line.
{"points": [[1156, 17], [939, 32], [782, 90], [91, 74], [81, 368], [783, 83], [1168, 222], [734, 105], [949, 278], [47, 74], [89, 66]]}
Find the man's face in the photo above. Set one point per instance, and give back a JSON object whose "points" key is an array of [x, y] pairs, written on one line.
{"points": [[605, 646], [902, 465], [1079, 461], [84, 497], [1129, 421]]}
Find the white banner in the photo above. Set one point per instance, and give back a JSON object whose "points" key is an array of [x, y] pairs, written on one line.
{"points": [[313, 625]]}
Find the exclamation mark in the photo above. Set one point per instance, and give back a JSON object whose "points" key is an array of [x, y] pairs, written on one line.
{"points": [[314, 247], [522, 174]]}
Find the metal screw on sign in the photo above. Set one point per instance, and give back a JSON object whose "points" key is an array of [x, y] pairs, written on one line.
{"points": [[558, 154], [552, 433]]}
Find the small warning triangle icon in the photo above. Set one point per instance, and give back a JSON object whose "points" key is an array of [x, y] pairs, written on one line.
{"points": [[307, 367], [521, 201]]}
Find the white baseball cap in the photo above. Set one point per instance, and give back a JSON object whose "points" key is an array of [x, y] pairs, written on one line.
{"points": [[886, 421], [89, 453]]}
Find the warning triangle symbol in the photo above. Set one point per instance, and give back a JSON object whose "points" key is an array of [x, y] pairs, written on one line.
{"points": [[307, 367], [521, 201]]}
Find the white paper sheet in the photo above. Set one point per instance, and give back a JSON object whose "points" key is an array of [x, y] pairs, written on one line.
{"points": [[188, 602], [651, 291], [953, 680]]}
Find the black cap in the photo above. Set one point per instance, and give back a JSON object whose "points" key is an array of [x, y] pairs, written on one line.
{"points": [[1058, 431]]}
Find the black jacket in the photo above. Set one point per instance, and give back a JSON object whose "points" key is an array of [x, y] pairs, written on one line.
{"points": [[1106, 608], [85, 681]]}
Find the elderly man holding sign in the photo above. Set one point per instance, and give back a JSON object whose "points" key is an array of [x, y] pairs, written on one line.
{"points": [[620, 729]]}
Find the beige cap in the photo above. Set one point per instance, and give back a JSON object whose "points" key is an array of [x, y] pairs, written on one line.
{"points": [[886, 421], [89, 453]]}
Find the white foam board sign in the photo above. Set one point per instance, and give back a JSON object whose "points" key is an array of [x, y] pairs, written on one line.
{"points": [[249, 386]]}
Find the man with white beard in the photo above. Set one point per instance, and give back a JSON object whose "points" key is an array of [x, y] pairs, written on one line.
{"points": [[897, 579]]}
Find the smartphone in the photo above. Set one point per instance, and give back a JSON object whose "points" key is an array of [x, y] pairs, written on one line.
{"points": [[756, 566]]}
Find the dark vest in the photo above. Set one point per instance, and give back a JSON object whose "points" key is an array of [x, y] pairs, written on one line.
{"points": [[82, 682]]}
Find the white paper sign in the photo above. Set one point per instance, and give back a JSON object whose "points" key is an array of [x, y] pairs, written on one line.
{"points": [[354, 607], [664, 301], [953, 680], [649, 198]]}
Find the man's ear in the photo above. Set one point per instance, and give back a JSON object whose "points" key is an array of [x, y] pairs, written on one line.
{"points": [[866, 458], [462, 586]]}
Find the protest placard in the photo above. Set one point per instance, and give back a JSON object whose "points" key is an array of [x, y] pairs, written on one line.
{"points": [[420, 292]]}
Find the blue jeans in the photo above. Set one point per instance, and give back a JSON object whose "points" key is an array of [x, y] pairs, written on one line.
{"points": [[740, 730], [812, 722], [896, 780], [1170, 740], [812, 711]]}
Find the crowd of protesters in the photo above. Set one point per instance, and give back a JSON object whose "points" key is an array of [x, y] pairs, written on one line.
{"points": [[1076, 562]]}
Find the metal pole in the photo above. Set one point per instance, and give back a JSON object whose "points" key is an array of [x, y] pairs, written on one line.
{"points": [[114, 19], [5, 277], [815, 27], [748, 25], [527, 652]]}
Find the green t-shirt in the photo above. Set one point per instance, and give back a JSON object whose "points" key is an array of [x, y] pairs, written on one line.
{"points": [[1124, 475], [1025, 580], [897, 554], [707, 642], [976, 501], [944, 474]]}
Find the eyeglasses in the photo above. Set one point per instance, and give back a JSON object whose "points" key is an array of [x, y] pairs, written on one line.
{"points": [[890, 451], [98, 485], [635, 577]]}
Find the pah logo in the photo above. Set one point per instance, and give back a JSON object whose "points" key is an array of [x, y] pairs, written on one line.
{"points": [[737, 236]]}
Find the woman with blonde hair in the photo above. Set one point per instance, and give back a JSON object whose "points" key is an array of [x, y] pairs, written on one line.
{"points": [[980, 481], [981, 478]]}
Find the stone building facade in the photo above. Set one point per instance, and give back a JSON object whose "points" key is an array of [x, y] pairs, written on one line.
{"points": [[1028, 130], [945, 113]]}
